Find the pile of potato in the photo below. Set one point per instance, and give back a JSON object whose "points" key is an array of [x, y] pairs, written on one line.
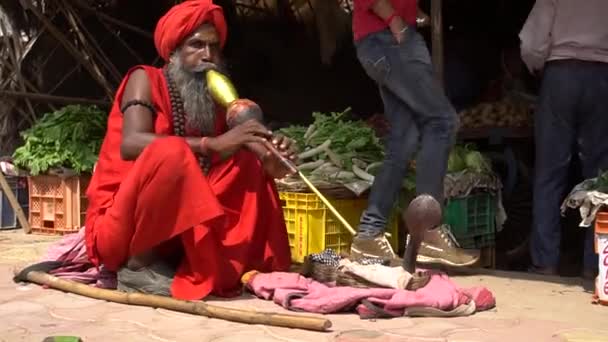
{"points": [[497, 114]]}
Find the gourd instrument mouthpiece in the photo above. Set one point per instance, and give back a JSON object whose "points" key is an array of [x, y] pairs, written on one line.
{"points": [[221, 88], [237, 110]]}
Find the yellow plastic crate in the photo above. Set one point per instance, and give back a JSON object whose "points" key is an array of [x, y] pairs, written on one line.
{"points": [[313, 228]]}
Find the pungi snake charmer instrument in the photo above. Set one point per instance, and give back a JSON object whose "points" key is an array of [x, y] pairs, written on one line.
{"points": [[241, 110]]}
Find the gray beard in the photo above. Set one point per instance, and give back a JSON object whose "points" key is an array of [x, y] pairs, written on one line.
{"points": [[198, 103]]}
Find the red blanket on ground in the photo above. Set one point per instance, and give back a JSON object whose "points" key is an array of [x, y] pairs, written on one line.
{"points": [[295, 292]]}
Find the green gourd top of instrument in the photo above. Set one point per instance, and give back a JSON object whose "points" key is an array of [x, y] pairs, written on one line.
{"points": [[221, 88]]}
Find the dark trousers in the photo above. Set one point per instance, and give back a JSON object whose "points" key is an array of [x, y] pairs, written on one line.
{"points": [[572, 118], [421, 119]]}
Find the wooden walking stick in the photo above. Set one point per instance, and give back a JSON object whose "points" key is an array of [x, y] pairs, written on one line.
{"points": [[31, 274]]}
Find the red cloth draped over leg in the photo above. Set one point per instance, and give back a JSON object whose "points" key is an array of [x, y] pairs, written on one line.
{"points": [[229, 222]]}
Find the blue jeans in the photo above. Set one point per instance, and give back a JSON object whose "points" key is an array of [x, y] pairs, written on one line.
{"points": [[572, 117], [421, 120]]}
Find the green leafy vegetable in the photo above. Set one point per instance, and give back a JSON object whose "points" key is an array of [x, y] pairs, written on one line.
{"points": [[466, 157], [455, 162], [69, 137], [349, 138], [600, 183]]}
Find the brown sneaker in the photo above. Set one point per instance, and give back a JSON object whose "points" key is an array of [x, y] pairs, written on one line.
{"points": [[440, 247], [377, 247]]}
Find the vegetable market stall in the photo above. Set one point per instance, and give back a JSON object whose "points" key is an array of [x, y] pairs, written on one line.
{"points": [[58, 156], [341, 157]]}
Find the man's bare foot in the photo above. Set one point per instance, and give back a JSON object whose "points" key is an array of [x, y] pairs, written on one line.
{"points": [[142, 260]]}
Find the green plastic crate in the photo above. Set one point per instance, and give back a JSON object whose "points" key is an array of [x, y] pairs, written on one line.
{"points": [[472, 219]]}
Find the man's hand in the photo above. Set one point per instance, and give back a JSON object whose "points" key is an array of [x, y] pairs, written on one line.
{"points": [[398, 28], [272, 164], [384, 9], [422, 19], [286, 146], [249, 132]]}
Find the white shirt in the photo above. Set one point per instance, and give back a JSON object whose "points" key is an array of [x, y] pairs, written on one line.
{"points": [[565, 29]]}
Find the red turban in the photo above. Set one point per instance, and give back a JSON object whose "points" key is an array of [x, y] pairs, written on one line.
{"points": [[182, 20]]}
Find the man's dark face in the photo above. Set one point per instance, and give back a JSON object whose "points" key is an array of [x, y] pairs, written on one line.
{"points": [[201, 47], [198, 53]]}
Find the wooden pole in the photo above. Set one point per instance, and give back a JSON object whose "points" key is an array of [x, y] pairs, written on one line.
{"points": [[191, 307], [13, 57], [437, 39], [113, 20], [8, 192], [122, 41], [103, 82], [53, 98], [87, 38]]}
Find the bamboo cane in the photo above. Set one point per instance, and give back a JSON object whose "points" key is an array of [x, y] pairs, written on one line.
{"points": [[190, 307]]}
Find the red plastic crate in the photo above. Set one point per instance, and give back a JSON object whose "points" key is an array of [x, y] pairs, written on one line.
{"points": [[57, 206]]}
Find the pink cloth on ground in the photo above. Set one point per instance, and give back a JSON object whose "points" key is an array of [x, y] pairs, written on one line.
{"points": [[71, 250], [295, 292]]}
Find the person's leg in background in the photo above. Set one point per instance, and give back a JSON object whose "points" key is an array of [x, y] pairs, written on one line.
{"points": [[400, 145], [404, 71], [437, 121], [555, 135], [592, 141]]}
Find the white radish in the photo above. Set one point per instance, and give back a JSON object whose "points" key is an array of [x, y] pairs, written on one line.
{"points": [[314, 151], [372, 166], [326, 169], [362, 174], [360, 163], [342, 175], [334, 157], [309, 131], [311, 165]]}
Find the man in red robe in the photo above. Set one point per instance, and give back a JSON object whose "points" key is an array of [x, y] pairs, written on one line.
{"points": [[174, 184]]}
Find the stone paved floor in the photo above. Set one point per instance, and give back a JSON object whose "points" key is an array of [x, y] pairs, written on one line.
{"points": [[529, 309]]}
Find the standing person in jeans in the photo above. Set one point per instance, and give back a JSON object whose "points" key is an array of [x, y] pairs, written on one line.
{"points": [[395, 56], [568, 41]]}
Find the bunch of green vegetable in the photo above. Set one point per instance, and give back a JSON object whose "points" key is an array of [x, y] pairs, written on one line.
{"points": [[334, 145], [332, 136], [466, 157], [600, 183], [69, 137], [340, 149]]}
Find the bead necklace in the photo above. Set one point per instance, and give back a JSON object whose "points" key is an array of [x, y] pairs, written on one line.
{"points": [[179, 117]]}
